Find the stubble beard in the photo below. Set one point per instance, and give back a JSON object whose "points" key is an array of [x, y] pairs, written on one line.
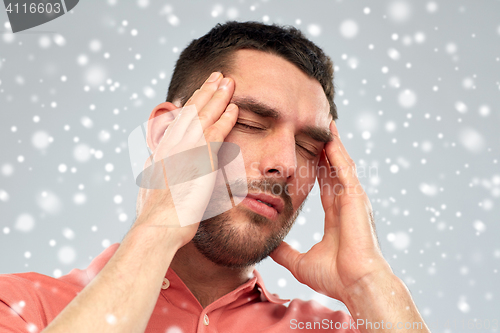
{"points": [[234, 244]]}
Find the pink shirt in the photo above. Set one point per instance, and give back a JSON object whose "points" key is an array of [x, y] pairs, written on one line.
{"points": [[30, 301]]}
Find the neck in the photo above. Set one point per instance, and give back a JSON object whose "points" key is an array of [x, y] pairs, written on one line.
{"points": [[206, 280]]}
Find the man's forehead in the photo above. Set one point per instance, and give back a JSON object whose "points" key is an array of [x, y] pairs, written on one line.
{"points": [[281, 85]]}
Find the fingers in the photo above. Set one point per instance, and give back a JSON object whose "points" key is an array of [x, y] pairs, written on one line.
{"points": [[347, 190], [175, 133], [199, 114], [327, 184], [201, 96], [214, 108], [340, 160], [218, 131], [212, 98], [286, 256]]}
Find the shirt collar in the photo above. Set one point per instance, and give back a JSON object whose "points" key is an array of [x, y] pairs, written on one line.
{"points": [[180, 295], [273, 298]]}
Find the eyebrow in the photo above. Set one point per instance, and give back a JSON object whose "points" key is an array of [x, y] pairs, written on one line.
{"points": [[316, 133]]}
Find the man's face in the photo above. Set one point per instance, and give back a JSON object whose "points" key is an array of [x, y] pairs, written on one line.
{"points": [[283, 119]]}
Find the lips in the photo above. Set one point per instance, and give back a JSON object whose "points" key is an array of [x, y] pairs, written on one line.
{"points": [[269, 200]]}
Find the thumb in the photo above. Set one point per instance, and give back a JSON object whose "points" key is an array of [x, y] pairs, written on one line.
{"points": [[287, 256]]}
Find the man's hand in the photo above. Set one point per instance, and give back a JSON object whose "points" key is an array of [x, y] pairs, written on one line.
{"points": [[349, 249], [205, 118], [347, 263]]}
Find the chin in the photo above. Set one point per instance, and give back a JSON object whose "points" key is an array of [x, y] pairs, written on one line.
{"points": [[240, 238]]}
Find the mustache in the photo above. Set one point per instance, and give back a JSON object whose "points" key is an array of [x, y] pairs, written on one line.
{"points": [[240, 187], [270, 186]]}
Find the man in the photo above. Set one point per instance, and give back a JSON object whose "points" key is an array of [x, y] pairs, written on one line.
{"points": [[270, 92]]}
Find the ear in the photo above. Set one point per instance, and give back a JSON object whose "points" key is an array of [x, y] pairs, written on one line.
{"points": [[161, 117]]}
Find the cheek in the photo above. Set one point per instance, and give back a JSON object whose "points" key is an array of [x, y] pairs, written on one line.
{"points": [[248, 153], [303, 182]]}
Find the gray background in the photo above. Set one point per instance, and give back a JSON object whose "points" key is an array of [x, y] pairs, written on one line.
{"points": [[418, 97]]}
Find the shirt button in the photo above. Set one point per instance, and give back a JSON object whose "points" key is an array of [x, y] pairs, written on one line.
{"points": [[205, 320], [165, 283]]}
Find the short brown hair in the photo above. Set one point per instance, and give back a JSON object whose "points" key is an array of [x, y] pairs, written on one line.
{"points": [[212, 52]]}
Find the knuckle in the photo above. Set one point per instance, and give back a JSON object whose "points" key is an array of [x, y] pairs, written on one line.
{"points": [[204, 117], [211, 89], [213, 134], [221, 94], [209, 132]]}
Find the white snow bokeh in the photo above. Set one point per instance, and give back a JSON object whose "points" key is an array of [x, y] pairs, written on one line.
{"points": [[232, 13], [82, 60], [472, 140], [400, 240], [349, 29], [407, 98], [40, 140], [59, 39], [217, 10], [419, 37], [429, 189], [79, 198], [149, 92], [44, 42], [432, 7], [143, 3], [314, 30], [174, 329], [68, 233], [451, 48], [173, 20], [390, 126], [7, 169], [86, 122], [461, 107], [426, 146], [394, 82], [484, 110], [4, 196], [353, 62], [8, 37], [49, 202], [104, 136], [95, 75], [66, 255], [399, 11], [479, 226], [393, 54], [95, 45], [81, 152], [367, 121], [462, 304], [25, 222]]}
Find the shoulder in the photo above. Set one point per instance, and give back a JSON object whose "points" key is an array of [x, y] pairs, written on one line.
{"points": [[313, 309], [32, 298], [17, 287], [13, 286], [312, 315]]}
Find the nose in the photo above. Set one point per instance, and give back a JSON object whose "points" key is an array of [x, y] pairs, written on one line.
{"points": [[278, 156]]}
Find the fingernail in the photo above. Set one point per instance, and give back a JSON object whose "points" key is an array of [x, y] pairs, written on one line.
{"points": [[223, 84], [213, 77], [231, 107]]}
